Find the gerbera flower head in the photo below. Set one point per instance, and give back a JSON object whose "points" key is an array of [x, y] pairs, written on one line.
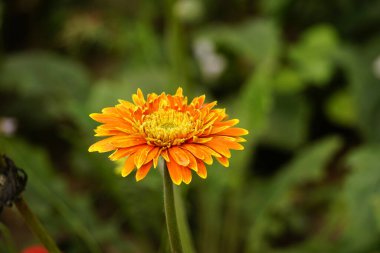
{"points": [[186, 135]]}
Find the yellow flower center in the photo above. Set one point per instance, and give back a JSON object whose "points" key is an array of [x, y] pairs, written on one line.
{"points": [[166, 128]]}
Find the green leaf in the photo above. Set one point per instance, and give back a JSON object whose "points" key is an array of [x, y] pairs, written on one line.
{"points": [[364, 87], [361, 195], [256, 99], [313, 56], [256, 39], [340, 108], [44, 74], [288, 81], [276, 196], [288, 122], [47, 83]]}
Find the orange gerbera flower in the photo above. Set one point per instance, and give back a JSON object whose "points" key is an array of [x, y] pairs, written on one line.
{"points": [[186, 135]]}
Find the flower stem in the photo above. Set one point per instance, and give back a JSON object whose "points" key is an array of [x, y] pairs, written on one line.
{"points": [[36, 226], [170, 213]]}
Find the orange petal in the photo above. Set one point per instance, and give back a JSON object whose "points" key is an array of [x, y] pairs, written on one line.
{"points": [[223, 161], [179, 92], [230, 142], [193, 161], [155, 159], [110, 129], [202, 172], [138, 98], [110, 111], [141, 155], [153, 153], [234, 131], [143, 171], [129, 165], [128, 141], [220, 147], [194, 150], [215, 130], [102, 118], [174, 172], [179, 156], [196, 139], [240, 139], [104, 145], [186, 174], [209, 106], [165, 155], [230, 123], [198, 101], [126, 104], [207, 152], [122, 152]]}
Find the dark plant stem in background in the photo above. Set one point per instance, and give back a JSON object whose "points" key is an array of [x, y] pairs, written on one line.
{"points": [[175, 39], [36, 226], [170, 213], [5, 234]]}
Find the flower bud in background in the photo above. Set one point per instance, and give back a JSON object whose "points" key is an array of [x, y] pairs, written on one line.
{"points": [[8, 126], [188, 11]]}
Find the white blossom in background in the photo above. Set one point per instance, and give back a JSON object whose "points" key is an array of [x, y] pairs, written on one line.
{"points": [[376, 67], [8, 126], [211, 63]]}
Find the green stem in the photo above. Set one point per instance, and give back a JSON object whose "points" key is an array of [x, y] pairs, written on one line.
{"points": [[36, 226], [170, 213], [183, 225]]}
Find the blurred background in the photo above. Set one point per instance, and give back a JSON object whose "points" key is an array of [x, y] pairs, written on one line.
{"points": [[302, 75]]}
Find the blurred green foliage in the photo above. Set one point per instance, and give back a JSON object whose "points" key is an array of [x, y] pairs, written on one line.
{"points": [[302, 76]]}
